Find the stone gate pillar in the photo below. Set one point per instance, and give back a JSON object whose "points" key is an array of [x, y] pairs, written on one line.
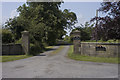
{"points": [[76, 42], [25, 42]]}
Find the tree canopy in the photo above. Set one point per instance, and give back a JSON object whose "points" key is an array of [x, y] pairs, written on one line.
{"points": [[108, 27], [85, 31], [45, 21]]}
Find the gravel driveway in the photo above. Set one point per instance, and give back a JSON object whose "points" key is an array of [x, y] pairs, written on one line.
{"points": [[57, 66]]}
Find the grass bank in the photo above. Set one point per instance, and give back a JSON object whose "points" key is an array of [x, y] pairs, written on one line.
{"points": [[12, 57], [90, 58], [57, 50], [109, 41], [47, 48]]}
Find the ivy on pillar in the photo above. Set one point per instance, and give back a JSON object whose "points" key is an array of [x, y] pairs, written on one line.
{"points": [[25, 42]]}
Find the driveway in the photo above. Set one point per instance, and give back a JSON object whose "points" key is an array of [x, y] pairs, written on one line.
{"points": [[57, 66]]}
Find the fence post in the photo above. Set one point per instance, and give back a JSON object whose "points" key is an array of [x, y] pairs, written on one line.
{"points": [[25, 42]]}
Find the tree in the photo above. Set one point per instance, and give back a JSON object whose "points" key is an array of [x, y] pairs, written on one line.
{"points": [[7, 36], [45, 21], [16, 25], [85, 30], [109, 26], [68, 39]]}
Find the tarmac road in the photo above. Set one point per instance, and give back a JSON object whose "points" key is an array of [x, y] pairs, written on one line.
{"points": [[57, 66]]}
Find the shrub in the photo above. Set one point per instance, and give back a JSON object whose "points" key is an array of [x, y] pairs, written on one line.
{"points": [[7, 36], [36, 49], [18, 41]]}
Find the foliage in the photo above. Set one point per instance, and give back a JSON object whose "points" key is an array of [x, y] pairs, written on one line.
{"points": [[85, 30], [7, 36], [109, 26], [90, 58], [16, 25], [44, 20], [18, 41], [68, 39], [36, 49]]}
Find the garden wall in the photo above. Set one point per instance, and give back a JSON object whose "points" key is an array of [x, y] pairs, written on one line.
{"points": [[12, 49], [100, 49]]}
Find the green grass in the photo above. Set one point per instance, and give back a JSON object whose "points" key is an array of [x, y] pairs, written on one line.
{"points": [[109, 41], [13, 57], [90, 58], [49, 47], [58, 50]]}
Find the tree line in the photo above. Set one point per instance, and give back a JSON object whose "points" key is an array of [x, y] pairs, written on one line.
{"points": [[102, 28], [44, 20], [108, 27], [47, 23]]}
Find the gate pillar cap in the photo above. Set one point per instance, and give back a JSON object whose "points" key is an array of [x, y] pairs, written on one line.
{"points": [[25, 32], [76, 33]]}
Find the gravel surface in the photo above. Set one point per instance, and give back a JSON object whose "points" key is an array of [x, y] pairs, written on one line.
{"points": [[57, 66]]}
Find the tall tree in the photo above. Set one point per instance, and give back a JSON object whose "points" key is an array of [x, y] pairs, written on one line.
{"points": [[109, 26], [44, 20], [85, 30]]}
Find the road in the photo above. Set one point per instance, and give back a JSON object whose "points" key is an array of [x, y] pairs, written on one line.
{"points": [[57, 66]]}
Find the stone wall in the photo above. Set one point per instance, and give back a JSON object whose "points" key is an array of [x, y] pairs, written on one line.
{"points": [[12, 49], [18, 49], [100, 49]]}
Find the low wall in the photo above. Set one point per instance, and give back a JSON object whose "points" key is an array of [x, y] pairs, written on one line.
{"points": [[12, 49], [100, 49]]}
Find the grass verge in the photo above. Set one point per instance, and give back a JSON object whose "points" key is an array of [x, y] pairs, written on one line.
{"points": [[58, 50], [13, 57], [90, 58], [109, 41], [48, 48]]}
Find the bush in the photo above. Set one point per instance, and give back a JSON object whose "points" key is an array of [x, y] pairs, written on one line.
{"points": [[18, 41], [36, 49], [7, 36], [68, 39]]}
